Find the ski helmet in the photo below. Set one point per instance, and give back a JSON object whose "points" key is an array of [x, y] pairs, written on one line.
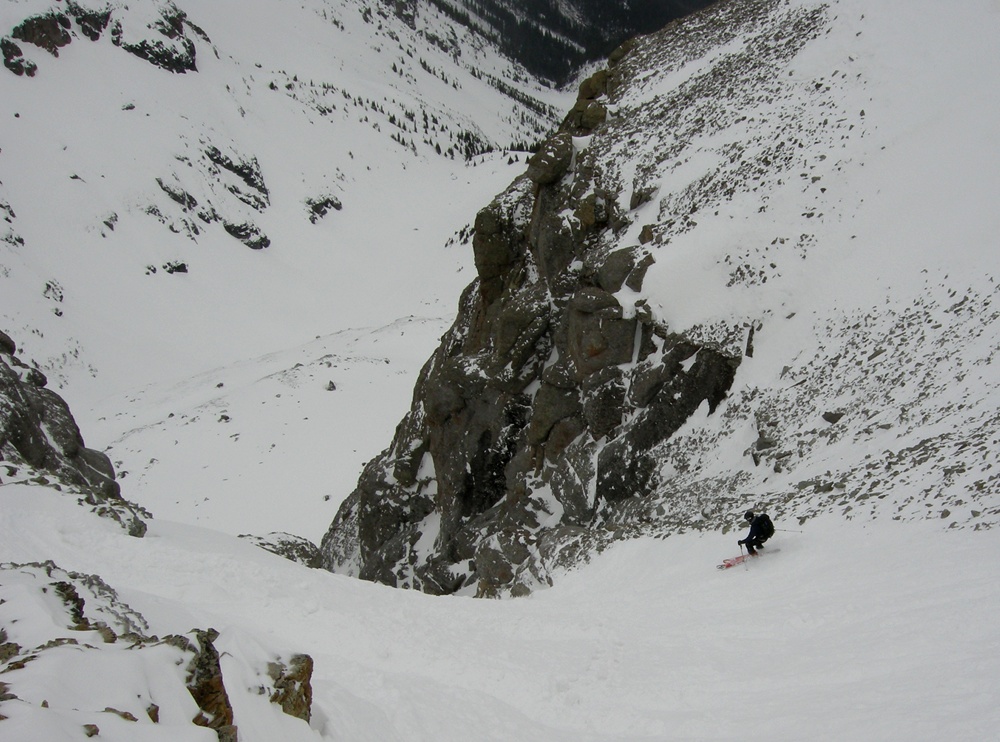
{"points": [[748, 515]]}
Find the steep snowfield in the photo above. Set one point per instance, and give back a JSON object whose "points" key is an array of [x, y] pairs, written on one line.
{"points": [[847, 631], [843, 211], [856, 629]]}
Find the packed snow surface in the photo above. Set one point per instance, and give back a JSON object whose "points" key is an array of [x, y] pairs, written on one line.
{"points": [[845, 631]]}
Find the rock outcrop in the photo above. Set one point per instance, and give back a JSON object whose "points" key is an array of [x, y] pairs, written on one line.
{"points": [[293, 685], [168, 42], [293, 548], [40, 442], [576, 401], [85, 623], [539, 412]]}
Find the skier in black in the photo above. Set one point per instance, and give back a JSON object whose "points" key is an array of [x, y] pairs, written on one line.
{"points": [[761, 529]]}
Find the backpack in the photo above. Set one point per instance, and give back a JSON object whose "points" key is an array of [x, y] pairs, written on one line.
{"points": [[766, 526]]}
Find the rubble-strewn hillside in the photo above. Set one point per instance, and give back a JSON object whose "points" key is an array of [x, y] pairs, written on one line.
{"points": [[755, 267]]}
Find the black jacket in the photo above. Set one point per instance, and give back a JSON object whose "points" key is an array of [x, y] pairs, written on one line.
{"points": [[757, 530]]}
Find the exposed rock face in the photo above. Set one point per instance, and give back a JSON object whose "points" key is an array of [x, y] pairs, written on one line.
{"points": [[293, 686], [39, 439], [539, 412], [168, 42], [563, 411], [204, 681], [49, 31]]}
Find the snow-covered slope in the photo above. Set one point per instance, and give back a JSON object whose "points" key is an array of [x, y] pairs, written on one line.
{"points": [[877, 304], [115, 172], [870, 632], [847, 217], [120, 182]]}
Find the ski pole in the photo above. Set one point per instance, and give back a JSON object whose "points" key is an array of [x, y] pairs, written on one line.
{"points": [[788, 530]]}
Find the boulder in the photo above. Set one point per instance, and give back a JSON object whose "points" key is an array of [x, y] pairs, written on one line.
{"points": [[585, 116], [552, 160], [594, 86], [293, 685]]}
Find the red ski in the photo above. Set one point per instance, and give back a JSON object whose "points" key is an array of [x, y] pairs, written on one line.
{"points": [[733, 561]]}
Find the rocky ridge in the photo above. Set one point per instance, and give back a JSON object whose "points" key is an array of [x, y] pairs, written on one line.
{"points": [[166, 40], [564, 411]]}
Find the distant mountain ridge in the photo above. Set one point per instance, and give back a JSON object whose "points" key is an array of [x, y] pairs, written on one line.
{"points": [[554, 38]]}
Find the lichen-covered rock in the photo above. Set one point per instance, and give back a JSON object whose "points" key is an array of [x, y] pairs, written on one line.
{"points": [[293, 685], [205, 682]]}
